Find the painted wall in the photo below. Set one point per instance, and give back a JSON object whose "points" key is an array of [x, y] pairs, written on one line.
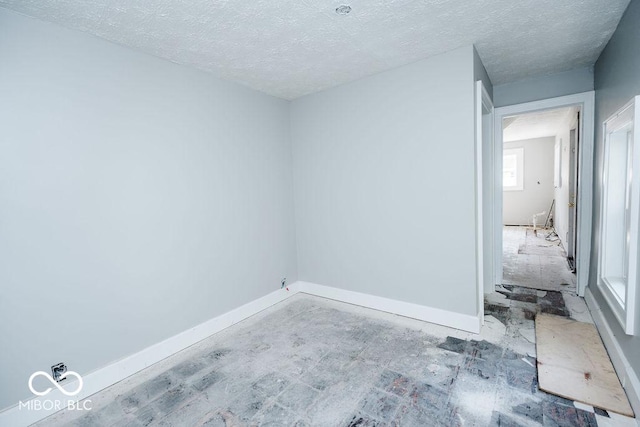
{"points": [[384, 182], [480, 73], [617, 80], [543, 87], [519, 206], [138, 198]]}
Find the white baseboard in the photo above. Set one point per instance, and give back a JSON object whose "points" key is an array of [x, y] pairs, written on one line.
{"points": [[627, 375], [123, 368], [428, 314]]}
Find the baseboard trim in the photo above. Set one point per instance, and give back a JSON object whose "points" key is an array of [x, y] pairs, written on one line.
{"points": [[123, 368], [428, 314], [627, 375]]}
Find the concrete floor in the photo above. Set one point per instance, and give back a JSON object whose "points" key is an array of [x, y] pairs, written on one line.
{"points": [[534, 261], [309, 361]]}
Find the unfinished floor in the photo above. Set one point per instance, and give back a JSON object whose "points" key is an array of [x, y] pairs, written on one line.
{"points": [[535, 259], [314, 362]]}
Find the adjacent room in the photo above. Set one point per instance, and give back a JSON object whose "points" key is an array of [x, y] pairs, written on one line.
{"points": [[319, 213], [540, 153]]}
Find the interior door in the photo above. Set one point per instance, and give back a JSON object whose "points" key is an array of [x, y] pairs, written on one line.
{"points": [[574, 147]]}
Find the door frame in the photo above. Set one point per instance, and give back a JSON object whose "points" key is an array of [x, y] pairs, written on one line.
{"points": [[484, 262], [586, 102], [574, 152]]}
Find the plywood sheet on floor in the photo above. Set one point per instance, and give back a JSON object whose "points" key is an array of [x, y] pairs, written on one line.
{"points": [[573, 363]]}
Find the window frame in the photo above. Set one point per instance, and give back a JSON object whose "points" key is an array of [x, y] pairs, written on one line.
{"points": [[623, 306], [518, 152]]}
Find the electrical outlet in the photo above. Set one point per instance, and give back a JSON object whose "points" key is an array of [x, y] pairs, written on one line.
{"points": [[283, 282], [58, 370]]}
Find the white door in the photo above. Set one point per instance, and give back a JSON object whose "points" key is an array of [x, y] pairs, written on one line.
{"points": [[574, 146]]}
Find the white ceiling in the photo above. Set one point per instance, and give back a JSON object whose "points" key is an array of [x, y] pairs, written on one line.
{"points": [[537, 125], [291, 48]]}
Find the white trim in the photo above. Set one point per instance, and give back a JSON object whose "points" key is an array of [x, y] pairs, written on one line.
{"points": [[480, 91], [123, 368], [624, 310], [627, 375], [483, 261], [460, 321], [586, 102], [617, 307], [497, 196], [632, 320]]}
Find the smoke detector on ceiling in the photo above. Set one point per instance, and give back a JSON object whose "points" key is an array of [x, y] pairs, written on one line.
{"points": [[343, 10]]}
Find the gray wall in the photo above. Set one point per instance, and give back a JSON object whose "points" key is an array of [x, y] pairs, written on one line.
{"points": [[138, 198], [617, 80], [543, 87], [384, 184], [480, 73], [519, 206]]}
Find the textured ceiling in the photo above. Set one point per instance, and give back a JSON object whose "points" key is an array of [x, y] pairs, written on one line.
{"points": [[291, 48], [537, 125]]}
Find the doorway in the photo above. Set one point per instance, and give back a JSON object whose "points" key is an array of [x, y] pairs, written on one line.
{"points": [[572, 185], [537, 206]]}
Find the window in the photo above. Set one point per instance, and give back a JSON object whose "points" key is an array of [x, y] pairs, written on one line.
{"points": [[619, 217], [513, 169], [557, 164]]}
